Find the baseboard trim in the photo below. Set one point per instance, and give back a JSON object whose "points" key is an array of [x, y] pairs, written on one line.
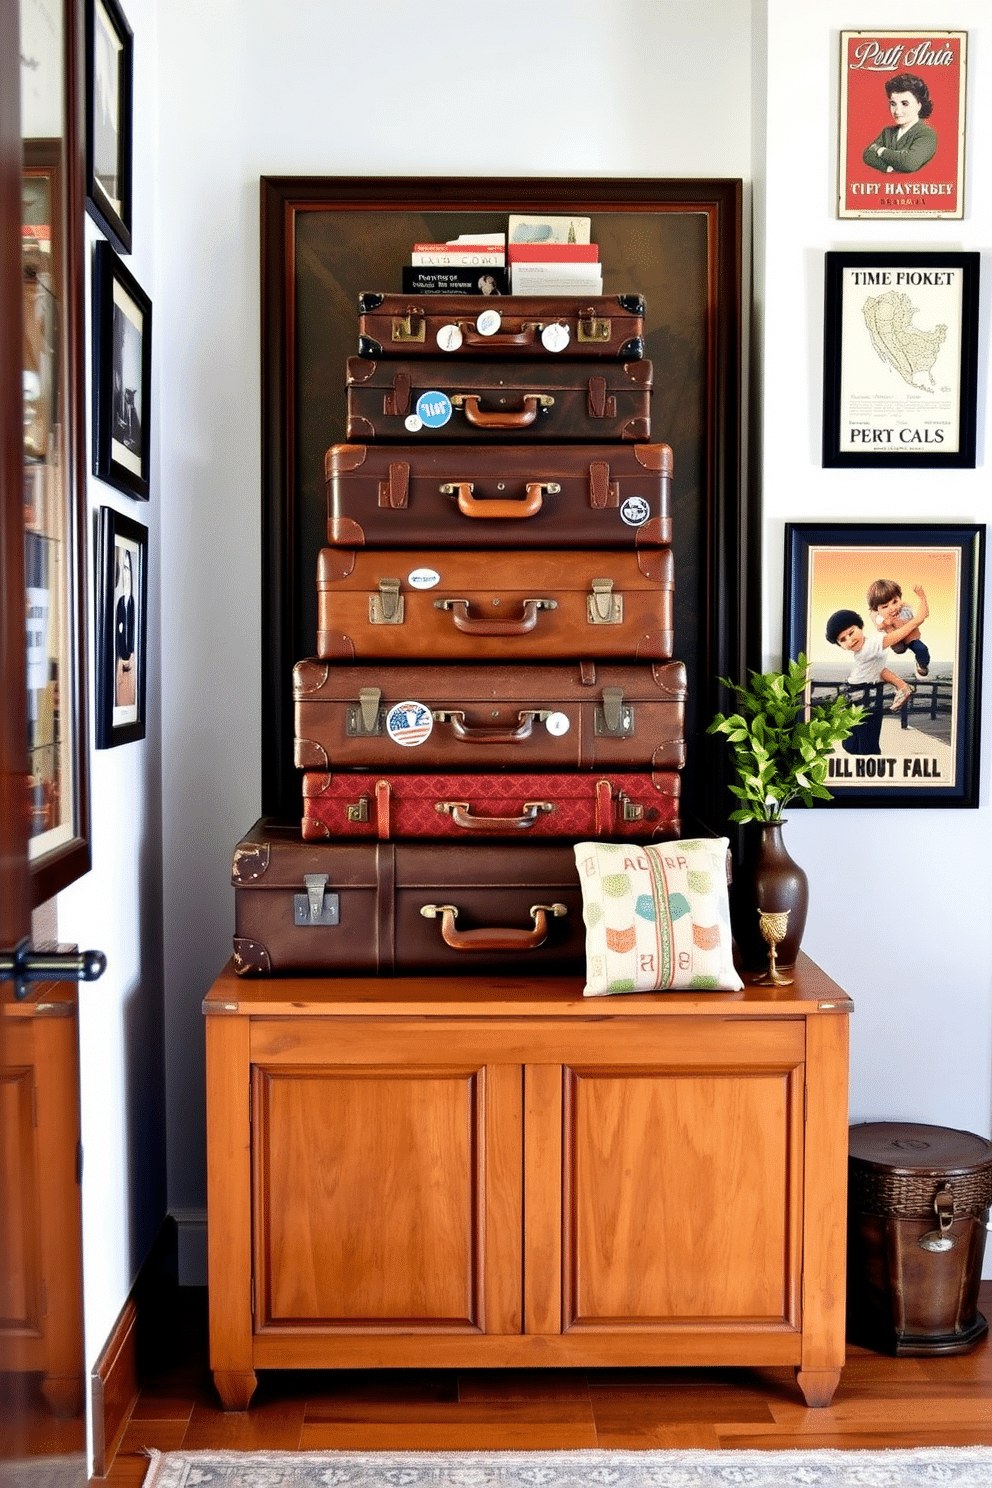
{"points": [[114, 1388], [115, 1379]]}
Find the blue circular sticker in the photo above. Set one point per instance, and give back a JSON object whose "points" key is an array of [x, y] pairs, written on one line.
{"points": [[434, 409]]}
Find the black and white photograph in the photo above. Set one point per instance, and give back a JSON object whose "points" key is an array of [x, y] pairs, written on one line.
{"points": [[109, 64], [122, 592], [122, 332]]}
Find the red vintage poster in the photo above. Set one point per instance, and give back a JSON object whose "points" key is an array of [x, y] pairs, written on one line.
{"points": [[902, 100]]}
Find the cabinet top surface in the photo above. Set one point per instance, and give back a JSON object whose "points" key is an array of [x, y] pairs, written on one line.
{"points": [[811, 991]]}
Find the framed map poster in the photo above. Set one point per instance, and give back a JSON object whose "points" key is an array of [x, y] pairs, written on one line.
{"points": [[900, 359], [902, 123]]}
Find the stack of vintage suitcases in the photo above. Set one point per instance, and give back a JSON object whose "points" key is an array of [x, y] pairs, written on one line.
{"points": [[493, 679]]}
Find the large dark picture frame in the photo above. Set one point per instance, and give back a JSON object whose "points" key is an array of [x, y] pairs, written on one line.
{"points": [[324, 240], [109, 120], [920, 749]]}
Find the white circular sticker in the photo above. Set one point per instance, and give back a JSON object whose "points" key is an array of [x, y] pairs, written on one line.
{"points": [[557, 724], [634, 511], [449, 337], [423, 578], [555, 337], [489, 322], [409, 724], [413, 422]]}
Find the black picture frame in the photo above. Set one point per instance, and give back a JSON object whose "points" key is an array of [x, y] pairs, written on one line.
{"points": [[122, 375], [925, 751], [109, 120], [888, 404], [676, 241], [121, 629]]}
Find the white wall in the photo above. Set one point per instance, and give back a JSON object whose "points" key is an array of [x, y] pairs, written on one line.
{"points": [[898, 898], [573, 87]]}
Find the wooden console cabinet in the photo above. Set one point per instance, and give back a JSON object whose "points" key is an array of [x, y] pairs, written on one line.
{"points": [[487, 1172]]}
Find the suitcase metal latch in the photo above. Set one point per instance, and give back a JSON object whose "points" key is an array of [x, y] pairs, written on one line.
{"points": [[630, 811], [613, 718], [603, 607], [358, 811], [595, 329], [386, 607], [411, 327], [316, 906]]}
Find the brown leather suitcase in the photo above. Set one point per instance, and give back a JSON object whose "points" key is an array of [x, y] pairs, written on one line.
{"points": [[412, 908], [576, 327], [636, 807], [528, 716], [477, 605], [482, 401], [498, 496]]}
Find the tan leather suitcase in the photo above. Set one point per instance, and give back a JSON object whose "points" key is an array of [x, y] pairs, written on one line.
{"points": [[524, 716], [539, 326], [498, 495], [379, 908], [641, 807], [478, 605], [485, 401]]}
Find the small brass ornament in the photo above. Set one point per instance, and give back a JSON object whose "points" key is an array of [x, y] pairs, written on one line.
{"points": [[773, 925]]}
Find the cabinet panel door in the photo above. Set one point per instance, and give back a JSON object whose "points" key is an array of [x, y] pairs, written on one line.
{"points": [[377, 1195], [682, 1196]]}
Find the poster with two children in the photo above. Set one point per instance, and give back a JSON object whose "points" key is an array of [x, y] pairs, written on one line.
{"points": [[891, 616]]}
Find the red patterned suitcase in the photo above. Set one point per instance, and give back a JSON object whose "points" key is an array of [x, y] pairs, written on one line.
{"points": [[378, 908], [482, 401], [474, 605], [641, 807], [535, 326], [498, 496], [582, 716]]}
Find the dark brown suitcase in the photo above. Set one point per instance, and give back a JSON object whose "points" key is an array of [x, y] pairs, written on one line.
{"points": [[630, 807], [527, 400], [572, 326], [583, 716], [498, 496], [477, 605], [414, 908]]}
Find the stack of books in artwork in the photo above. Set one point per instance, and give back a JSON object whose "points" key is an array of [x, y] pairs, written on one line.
{"points": [[472, 263], [553, 256]]}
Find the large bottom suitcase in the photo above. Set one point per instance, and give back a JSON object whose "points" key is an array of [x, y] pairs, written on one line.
{"points": [[643, 807], [378, 908], [578, 716]]}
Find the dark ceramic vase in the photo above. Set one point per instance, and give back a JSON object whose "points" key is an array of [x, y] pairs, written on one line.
{"points": [[769, 880]]}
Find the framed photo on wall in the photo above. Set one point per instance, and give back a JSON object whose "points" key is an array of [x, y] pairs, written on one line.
{"points": [[121, 628], [109, 115], [900, 359], [890, 614], [122, 374], [902, 123]]}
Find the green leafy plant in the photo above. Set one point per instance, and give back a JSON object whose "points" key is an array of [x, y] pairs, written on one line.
{"points": [[779, 754]]}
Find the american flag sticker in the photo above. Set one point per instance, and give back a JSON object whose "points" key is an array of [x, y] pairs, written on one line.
{"points": [[409, 724]]}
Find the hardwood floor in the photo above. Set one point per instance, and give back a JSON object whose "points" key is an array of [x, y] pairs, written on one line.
{"points": [[881, 1402]]}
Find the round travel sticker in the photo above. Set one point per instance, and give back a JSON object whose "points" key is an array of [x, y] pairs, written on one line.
{"points": [[434, 409], [488, 322], [409, 724], [634, 511], [423, 578], [555, 337], [449, 337], [413, 422], [557, 724]]}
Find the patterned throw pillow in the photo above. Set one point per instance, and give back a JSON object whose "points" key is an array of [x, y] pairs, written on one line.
{"points": [[657, 917]]}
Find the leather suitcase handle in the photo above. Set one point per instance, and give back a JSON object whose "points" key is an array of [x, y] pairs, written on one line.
{"points": [[473, 734], [525, 335], [529, 506], [464, 621], [510, 418], [461, 814], [495, 937]]}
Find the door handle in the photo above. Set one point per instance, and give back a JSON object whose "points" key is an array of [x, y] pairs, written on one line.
{"points": [[22, 966]]}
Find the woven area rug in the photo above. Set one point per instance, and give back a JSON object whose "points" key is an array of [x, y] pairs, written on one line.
{"points": [[925, 1467]]}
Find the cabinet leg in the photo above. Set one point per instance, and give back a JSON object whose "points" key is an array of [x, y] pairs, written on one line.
{"points": [[235, 1388], [818, 1385]]}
